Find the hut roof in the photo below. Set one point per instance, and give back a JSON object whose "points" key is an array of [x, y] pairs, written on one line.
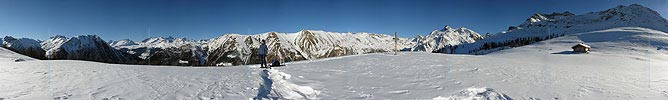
{"points": [[581, 44]]}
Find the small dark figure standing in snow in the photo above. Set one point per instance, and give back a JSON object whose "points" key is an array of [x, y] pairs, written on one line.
{"points": [[263, 53]]}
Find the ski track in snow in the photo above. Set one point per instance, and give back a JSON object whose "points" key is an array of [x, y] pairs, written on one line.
{"points": [[275, 86]]}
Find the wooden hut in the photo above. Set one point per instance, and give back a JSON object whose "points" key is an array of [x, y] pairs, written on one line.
{"points": [[582, 48]]}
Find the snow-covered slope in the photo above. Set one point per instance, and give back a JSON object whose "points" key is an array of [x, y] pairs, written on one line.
{"points": [[626, 63], [25, 46], [445, 39], [8, 55], [235, 49], [540, 26]]}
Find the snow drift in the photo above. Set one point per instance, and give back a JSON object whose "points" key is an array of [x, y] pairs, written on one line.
{"points": [[476, 93]]}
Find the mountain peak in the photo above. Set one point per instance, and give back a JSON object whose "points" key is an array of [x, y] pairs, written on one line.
{"points": [[157, 39], [58, 37], [8, 38], [305, 31], [635, 5], [446, 27], [87, 37], [10, 41], [632, 6], [538, 17], [170, 38], [631, 12], [122, 42]]}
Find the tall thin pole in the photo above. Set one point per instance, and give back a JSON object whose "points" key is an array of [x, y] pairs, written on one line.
{"points": [[395, 43], [649, 69], [149, 48]]}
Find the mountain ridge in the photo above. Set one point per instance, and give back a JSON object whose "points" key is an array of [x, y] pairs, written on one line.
{"points": [[559, 24], [238, 49]]}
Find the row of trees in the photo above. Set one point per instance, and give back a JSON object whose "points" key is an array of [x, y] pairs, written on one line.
{"points": [[513, 43], [450, 49]]}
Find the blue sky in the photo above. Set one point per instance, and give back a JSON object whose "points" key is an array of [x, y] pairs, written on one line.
{"points": [[204, 19]]}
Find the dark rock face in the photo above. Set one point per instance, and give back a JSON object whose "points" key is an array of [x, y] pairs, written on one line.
{"points": [[57, 53], [512, 28]]}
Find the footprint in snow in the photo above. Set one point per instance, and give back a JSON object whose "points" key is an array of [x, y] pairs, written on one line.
{"points": [[64, 97], [474, 69], [399, 92], [482, 93]]}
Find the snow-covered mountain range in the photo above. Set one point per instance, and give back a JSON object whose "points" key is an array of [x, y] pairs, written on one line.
{"points": [[626, 63], [237, 49], [84, 47], [25, 46], [123, 42], [165, 51], [546, 26], [445, 40]]}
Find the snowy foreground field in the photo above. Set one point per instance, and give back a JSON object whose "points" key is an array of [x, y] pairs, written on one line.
{"points": [[625, 63]]}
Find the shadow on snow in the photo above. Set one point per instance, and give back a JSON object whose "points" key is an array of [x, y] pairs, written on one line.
{"points": [[265, 87]]}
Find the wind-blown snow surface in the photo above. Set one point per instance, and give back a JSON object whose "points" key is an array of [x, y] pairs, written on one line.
{"points": [[8, 55], [626, 63], [65, 79]]}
